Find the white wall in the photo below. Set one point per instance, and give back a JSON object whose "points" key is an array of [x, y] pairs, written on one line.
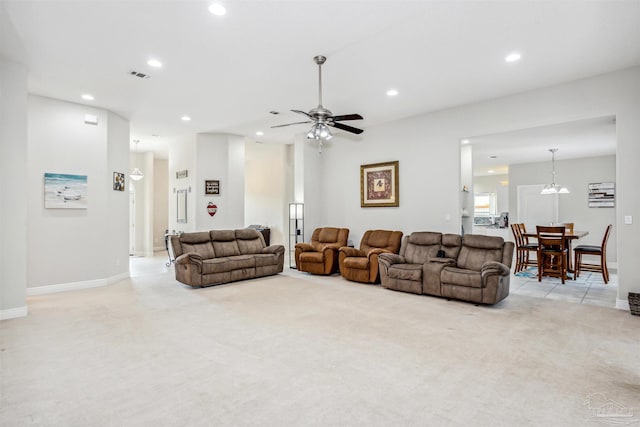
{"points": [[13, 186], [428, 150], [576, 174], [220, 157], [265, 188], [144, 203], [160, 202], [182, 156], [69, 246]]}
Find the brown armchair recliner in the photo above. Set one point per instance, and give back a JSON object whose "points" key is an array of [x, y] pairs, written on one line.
{"points": [[321, 255], [361, 265]]}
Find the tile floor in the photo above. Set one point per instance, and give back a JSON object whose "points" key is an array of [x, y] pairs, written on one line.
{"points": [[588, 289]]}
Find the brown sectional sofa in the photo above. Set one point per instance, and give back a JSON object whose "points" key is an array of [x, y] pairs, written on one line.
{"points": [[222, 256], [471, 268]]}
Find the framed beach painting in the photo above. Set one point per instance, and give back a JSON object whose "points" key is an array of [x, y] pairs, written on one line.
{"points": [[379, 185], [63, 191]]}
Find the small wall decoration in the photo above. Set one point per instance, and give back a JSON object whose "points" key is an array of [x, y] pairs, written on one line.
{"points": [[182, 174], [602, 195], [62, 191], [212, 187], [379, 185], [118, 181], [212, 209]]}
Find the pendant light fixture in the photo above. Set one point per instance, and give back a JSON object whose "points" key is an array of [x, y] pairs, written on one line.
{"points": [[554, 188], [136, 174]]}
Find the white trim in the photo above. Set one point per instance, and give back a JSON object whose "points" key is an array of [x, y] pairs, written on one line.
{"points": [[159, 249], [622, 304], [12, 313], [143, 253], [64, 287]]}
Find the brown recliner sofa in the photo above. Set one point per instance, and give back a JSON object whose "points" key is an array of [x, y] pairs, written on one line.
{"points": [[222, 256], [361, 265], [321, 255], [471, 268]]}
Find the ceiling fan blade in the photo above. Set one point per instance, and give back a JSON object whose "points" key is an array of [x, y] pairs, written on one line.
{"points": [[302, 112], [347, 128], [291, 124], [347, 117]]}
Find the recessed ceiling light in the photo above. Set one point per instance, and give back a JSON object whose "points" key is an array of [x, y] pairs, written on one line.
{"points": [[513, 57], [217, 9], [465, 141], [185, 118], [392, 92], [88, 97], [259, 133], [154, 63], [491, 171]]}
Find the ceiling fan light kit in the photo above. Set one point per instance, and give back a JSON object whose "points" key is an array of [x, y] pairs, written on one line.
{"points": [[323, 118]]}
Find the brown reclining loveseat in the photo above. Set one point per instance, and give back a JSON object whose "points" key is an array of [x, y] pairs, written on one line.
{"points": [[471, 268]]}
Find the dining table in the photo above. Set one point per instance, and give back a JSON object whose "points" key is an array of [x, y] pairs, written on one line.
{"points": [[569, 237]]}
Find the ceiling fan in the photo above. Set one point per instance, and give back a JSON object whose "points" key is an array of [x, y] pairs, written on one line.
{"points": [[321, 117]]}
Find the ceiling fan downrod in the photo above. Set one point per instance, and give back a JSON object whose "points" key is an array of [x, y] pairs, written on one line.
{"points": [[320, 59]]}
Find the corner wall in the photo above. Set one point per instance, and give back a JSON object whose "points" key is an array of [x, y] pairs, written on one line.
{"points": [[13, 187], [71, 248]]}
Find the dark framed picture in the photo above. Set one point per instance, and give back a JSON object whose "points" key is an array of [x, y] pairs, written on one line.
{"points": [[212, 187], [379, 185], [118, 181]]}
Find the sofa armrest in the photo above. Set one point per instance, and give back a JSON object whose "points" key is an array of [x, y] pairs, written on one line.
{"points": [[376, 251], [190, 258], [273, 249], [493, 268], [305, 247], [390, 259], [347, 251]]}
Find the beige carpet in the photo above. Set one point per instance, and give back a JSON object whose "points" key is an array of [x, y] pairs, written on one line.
{"points": [[302, 350]]}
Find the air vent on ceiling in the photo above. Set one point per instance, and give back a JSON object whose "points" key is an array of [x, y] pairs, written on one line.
{"points": [[138, 74]]}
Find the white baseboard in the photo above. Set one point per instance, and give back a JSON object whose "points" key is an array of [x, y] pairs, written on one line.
{"points": [[12, 313], [143, 253], [64, 287], [622, 304], [159, 249]]}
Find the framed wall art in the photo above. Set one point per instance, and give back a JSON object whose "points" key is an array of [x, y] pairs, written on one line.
{"points": [[379, 185], [118, 181], [211, 187], [64, 191]]}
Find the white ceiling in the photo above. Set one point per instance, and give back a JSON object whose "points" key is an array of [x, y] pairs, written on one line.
{"points": [[584, 138], [228, 72]]}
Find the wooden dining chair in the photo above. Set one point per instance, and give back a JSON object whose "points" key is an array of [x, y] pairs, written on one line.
{"points": [[599, 251], [568, 226], [553, 255], [523, 248]]}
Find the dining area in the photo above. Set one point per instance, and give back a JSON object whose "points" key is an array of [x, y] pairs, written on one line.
{"points": [[553, 251]]}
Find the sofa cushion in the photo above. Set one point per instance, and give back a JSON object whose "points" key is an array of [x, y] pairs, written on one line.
{"points": [[328, 235], [224, 243], [249, 241], [476, 250], [421, 246], [199, 243], [405, 272], [263, 260], [461, 277], [361, 263], [451, 245], [312, 257], [220, 265]]}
